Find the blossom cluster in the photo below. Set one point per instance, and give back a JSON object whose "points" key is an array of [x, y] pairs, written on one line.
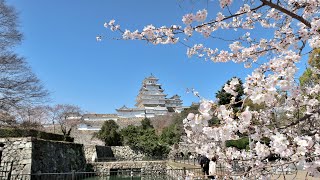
{"points": [[200, 16], [282, 118], [231, 87], [162, 35]]}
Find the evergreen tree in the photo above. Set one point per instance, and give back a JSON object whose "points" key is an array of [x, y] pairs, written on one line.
{"points": [[145, 140], [308, 78], [146, 123], [225, 98], [109, 134], [171, 134]]}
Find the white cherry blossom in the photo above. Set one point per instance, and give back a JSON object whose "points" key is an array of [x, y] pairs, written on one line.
{"points": [[286, 114]]}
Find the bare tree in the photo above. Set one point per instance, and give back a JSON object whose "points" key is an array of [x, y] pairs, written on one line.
{"points": [[19, 87], [33, 117], [6, 119], [67, 116], [9, 35]]}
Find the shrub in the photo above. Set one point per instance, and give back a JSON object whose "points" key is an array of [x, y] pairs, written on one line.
{"points": [[171, 134], [144, 140], [242, 143]]}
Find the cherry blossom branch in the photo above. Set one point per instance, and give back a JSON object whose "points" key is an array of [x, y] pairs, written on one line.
{"points": [[272, 166], [293, 15], [229, 17], [301, 119], [284, 113]]}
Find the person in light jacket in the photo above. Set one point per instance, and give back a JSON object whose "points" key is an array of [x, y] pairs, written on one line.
{"points": [[212, 168]]}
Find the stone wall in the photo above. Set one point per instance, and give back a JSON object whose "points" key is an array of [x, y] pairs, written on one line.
{"points": [[90, 153], [183, 147], [85, 137], [51, 156], [112, 153], [30, 155], [98, 153], [124, 122], [126, 153], [104, 153], [15, 156]]}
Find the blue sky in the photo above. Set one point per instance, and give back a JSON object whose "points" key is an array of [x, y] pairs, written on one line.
{"points": [[59, 44]]}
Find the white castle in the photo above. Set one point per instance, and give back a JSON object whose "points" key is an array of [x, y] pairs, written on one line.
{"points": [[151, 101]]}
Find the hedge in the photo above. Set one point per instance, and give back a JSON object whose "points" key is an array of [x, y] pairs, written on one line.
{"points": [[33, 133], [242, 143]]}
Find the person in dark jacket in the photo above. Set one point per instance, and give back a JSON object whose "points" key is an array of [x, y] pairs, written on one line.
{"points": [[204, 163]]}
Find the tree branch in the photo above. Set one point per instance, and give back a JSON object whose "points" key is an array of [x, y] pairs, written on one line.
{"points": [[293, 15], [301, 119], [229, 17]]}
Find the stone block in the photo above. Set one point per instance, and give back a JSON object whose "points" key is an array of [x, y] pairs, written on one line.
{"points": [[21, 146], [16, 142], [28, 145], [26, 161], [27, 152], [5, 159], [26, 169]]}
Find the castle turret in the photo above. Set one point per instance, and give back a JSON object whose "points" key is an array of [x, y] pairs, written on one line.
{"points": [[151, 94]]}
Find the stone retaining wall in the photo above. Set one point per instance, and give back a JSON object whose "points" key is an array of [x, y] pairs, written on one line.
{"points": [[90, 153], [126, 153], [112, 153], [52, 156], [125, 122], [15, 156], [30, 155]]}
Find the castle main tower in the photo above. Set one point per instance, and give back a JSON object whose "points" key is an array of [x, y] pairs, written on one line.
{"points": [[151, 101], [151, 94]]}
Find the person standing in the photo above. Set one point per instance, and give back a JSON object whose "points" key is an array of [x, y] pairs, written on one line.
{"points": [[204, 163], [212, 168]]}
